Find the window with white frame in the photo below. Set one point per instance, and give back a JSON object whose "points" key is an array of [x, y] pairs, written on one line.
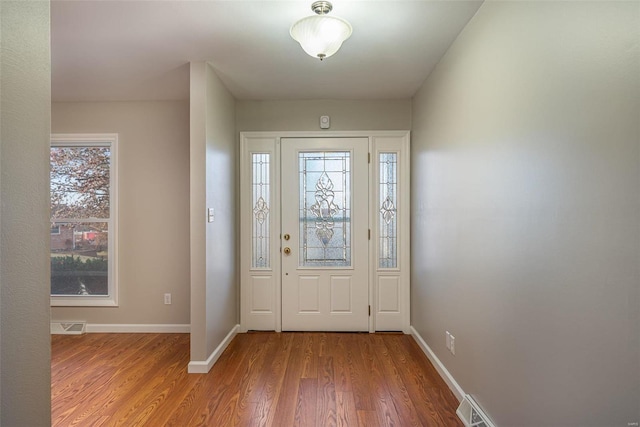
{"points": [[83, 172]]}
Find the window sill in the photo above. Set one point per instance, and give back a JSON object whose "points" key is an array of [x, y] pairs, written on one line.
{"points": [[65, 301]]}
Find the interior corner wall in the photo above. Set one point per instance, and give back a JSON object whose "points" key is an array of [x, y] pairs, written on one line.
{"points": [[25, 348], [153, 209], [214, 278], [526, 212], [304, 115]]}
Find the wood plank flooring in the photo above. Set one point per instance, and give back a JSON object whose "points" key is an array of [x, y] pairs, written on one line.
{"points": [[262, 379]]}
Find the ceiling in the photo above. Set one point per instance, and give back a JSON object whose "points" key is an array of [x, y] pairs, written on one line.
{"points": [[107, 50]]}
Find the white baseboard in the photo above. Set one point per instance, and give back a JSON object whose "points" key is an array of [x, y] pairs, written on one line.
{"points": [[137, 328], [444, 373], [202, 367]]}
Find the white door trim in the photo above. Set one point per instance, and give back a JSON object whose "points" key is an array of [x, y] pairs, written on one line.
{"points": [[269, 313]]}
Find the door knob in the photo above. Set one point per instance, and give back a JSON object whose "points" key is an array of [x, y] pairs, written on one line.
{"points": [[286, 251]]}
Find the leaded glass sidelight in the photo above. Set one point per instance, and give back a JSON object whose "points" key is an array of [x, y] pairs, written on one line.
{"points": [[325, 209], [261, 232], [388, 224]]}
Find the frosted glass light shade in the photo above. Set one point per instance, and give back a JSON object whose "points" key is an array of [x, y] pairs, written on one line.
{"points": [[321, 36]]}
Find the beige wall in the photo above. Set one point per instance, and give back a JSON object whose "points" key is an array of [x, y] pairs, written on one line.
{"points": [[304, 115], [25, 393], [214, 277], [526, 212], [153, 207]]}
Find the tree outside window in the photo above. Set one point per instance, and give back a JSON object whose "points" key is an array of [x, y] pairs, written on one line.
{"points": [[82, 220]]}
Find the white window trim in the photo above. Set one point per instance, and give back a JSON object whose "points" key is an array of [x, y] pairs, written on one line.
{"points": [[110, 300]]}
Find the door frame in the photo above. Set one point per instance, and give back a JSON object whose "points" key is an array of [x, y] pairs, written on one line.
{"points": [[260, 289]]}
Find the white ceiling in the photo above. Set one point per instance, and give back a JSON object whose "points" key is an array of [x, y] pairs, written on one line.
{"points": [[106, 50]]}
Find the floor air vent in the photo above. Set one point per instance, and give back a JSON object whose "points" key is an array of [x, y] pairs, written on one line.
{"points": [[68, 328], [471, 414]]}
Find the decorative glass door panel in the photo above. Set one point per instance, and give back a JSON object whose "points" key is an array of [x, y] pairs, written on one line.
{"points": [[388, 224], [325, 209], [324, 227], [261, 231]]}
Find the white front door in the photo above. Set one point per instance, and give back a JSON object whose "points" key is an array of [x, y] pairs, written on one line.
{"points": [[325, 256], [319, 190]]}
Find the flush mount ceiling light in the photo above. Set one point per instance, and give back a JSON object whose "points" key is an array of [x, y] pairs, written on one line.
{"points": [[321, 35]]}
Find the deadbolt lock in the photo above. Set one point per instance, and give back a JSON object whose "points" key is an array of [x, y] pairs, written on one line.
{"points": [[286, 237], [286, 251]]}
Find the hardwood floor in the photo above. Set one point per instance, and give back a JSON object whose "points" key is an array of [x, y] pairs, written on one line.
{"points": [[262, 379]]}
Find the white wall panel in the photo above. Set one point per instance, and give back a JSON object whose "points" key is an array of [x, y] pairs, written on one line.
{"points": [[262, 294], [340, 294], [309, 294], [389, 294]]}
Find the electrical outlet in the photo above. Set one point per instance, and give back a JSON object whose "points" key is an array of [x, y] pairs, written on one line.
{"points": [[453, 345], [448, 340], [167, 299]]}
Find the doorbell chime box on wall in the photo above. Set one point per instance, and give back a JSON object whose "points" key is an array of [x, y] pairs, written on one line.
{"points": [[325, 122]]}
